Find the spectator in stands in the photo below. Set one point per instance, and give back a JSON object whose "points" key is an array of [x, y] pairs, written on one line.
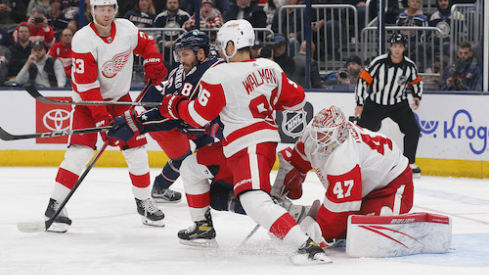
{"points": [[42, 5], [62, 50], [70, 4], [393, 10], [73, 25], [41, 70], [12, 12], [5, 39], [172, 17], [463, 75], [291, 26], [280, 55], [413, 17], [256, 49], [56, 18], [349, 75], [210, 17], [19, 51], [300, 68], [142, 15], [271, 6], [443, 19], [39, 28], [221, 5], [247, 10]]}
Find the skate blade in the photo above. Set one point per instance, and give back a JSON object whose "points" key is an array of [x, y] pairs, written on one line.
{"points": [[212, 243], [58, 228], [303, 259], [148, 222], [162, 200]]}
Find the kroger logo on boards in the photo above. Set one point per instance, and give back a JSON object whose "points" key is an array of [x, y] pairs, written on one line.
{"points": [[460, 126]]}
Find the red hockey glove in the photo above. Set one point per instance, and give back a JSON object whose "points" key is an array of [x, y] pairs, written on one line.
{"points": [[126, 126], [154, 69], [104, 120], [169, 106], [289, 179]]}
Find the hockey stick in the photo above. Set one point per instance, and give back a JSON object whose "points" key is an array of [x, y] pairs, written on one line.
{"points": [[4, 135], [35, 94], [30, 227]]}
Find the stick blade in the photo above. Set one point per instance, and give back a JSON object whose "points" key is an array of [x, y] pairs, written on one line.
{"points": [[4, 135], [32, 227]]}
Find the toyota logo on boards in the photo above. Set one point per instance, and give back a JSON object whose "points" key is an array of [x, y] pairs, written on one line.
{"points": [[52, 117], [57, 119]]}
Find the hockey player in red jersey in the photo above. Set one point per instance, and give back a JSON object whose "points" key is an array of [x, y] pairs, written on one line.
{"points": [[245, 93], [102, 69], [364, 173]]}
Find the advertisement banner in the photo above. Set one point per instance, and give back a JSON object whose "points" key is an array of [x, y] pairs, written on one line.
{"points": [[53, 117]]}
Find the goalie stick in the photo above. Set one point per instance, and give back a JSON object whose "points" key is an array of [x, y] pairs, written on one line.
{"points": [[31, 227], [4, 135], [35, 94]]}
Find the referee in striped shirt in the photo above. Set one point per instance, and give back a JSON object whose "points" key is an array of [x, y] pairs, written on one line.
{"points": [[381, 93]]}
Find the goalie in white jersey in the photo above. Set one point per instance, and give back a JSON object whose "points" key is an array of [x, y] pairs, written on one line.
{"points": [[245, 93], [363, 172], [102, 69]]}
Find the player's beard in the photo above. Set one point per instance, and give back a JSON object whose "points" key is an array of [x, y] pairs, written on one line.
{"points": [[187, 66]]}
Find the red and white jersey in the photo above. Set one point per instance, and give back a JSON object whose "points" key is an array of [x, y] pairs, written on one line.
{"points": [[105, 64], [45, 35], [245, 96], [365, 162], [63, 53]]}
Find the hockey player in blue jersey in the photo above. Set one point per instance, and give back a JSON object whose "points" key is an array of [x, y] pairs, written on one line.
{"points": [[192, 50]]}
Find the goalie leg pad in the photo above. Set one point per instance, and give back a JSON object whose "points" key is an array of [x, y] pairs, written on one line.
{"points": [[387, 236]]}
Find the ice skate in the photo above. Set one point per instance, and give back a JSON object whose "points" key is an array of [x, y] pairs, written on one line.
{"points": [[150, 214], [310, 254], [416, 171], [201, 233], [162, 195], [62, 222]]}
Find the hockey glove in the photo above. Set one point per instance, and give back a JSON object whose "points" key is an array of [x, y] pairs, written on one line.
{"points": [[154, 69], [288, 175], [126, 126], [214, 130], [104, 120], [169, 106]]}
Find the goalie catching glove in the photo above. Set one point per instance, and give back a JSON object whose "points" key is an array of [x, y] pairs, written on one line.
{"points": [[289, 179], [154, 69], [126, 126]]}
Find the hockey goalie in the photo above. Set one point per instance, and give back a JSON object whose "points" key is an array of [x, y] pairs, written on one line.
{"points": [[369, 191]]}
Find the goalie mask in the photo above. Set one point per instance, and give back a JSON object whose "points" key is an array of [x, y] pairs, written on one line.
{"points": [[94, 3], [240, 32], [193, 40], [329, 129]]}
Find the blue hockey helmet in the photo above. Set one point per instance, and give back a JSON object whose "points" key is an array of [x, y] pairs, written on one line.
{"points": [[193, 40]]}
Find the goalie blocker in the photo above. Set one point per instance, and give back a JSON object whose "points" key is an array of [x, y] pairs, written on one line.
{"points": [[408, 234]]}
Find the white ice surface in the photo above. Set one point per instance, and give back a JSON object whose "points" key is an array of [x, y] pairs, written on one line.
{"points": [[107, 236]]}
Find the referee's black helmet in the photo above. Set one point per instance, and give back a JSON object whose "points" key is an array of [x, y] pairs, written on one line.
{"points": [[398, 38]]}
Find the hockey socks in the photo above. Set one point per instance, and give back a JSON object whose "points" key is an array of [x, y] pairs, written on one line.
{"points": [[170, 172]]}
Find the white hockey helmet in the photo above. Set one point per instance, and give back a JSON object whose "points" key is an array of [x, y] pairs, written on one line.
{"points": [[329, 129], [240, 32], [94, 3]]}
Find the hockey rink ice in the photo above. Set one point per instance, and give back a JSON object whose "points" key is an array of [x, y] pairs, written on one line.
{"points": [[107, 236]]}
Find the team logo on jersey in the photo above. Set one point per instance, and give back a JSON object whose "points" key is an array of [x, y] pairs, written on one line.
{"points": [[118, 62], [402, 80]]}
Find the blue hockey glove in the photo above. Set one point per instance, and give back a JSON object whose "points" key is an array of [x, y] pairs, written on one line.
{"points": [[126, 126]]}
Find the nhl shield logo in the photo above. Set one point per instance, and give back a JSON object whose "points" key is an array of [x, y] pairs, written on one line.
{"points": [[292, 124]]}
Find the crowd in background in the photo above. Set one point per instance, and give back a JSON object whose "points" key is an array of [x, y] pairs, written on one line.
{"points": [[54, 22]]}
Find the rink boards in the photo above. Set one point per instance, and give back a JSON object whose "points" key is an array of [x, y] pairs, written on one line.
{"points": [[453, 142]]}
